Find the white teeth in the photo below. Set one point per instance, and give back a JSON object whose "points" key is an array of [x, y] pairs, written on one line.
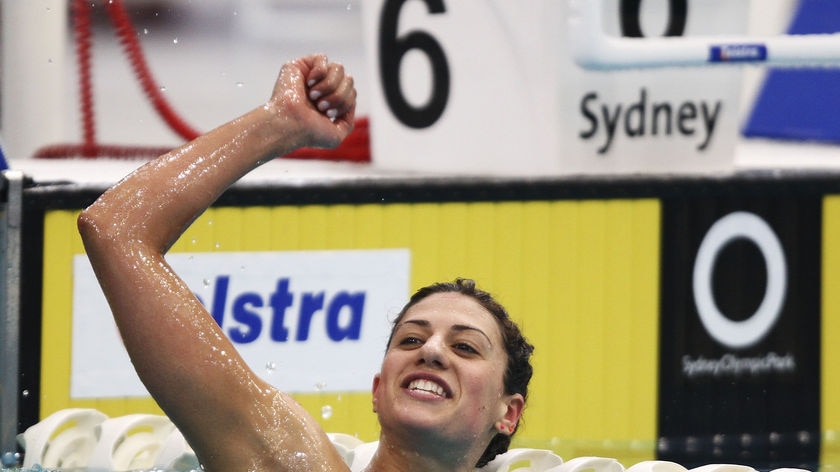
{"points": [[426, 386]]}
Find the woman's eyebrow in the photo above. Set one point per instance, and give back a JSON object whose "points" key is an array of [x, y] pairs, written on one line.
{"points": [[421, 323], [460, 327]]}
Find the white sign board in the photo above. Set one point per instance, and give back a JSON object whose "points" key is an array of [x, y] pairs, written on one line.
{"points": [[309, 321], [491, 87]]}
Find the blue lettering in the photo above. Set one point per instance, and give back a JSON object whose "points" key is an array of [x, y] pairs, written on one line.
{"points": [[738, 53], [280, 300], [220, 298], [249, 318], [310, 304], [343, 317], [356, 304]]}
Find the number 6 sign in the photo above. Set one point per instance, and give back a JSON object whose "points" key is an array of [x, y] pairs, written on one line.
{"points": [[392, 50], [459, 86], [490, 87]]}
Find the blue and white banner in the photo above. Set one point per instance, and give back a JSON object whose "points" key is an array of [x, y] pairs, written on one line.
{"points": [[308, 321]]}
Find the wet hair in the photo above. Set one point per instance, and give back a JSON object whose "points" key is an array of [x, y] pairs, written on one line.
{"points": [[518, 372]]}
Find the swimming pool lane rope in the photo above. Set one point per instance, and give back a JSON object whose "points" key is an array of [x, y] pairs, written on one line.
{"points": [[355, 148]]}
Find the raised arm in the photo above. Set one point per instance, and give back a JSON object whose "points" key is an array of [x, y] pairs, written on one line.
{"points": [[233, 419]]}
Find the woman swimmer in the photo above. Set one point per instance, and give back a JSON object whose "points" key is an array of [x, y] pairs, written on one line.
{"points": [[454, 378]]}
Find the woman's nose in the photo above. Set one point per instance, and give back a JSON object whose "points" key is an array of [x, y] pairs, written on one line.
{"points": [[433, 352]]}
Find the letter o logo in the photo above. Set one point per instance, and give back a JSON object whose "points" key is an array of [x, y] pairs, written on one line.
{"points": [[740, 334]]}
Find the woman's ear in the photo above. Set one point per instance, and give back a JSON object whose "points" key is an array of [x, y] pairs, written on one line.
{"points": [[514, 405], [374, 389]]}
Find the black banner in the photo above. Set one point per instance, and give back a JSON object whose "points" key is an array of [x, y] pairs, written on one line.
{"points": [[740, 330]]}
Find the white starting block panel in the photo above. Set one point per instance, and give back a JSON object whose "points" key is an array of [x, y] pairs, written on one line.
{"points": [[497, 87]]}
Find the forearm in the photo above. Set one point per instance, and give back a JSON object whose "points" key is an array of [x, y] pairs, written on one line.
{"points": [[154, 204], [126, 233], [173, 341]]}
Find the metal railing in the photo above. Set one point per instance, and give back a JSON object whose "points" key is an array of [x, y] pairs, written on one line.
{"points": [[11, 216]]}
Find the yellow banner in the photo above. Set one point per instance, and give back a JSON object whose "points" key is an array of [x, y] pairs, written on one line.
{"points": [[581, 277]]}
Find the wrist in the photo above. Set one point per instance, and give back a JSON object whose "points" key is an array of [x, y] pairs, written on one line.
{"points": [[273, 133]]}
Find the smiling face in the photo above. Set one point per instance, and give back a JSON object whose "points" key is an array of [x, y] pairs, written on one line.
{"points": [[443, 374]]}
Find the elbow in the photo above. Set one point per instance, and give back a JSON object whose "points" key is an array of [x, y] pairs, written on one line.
{"points": [[102, 235], [86, 224], [92, 226], [106, 229]]}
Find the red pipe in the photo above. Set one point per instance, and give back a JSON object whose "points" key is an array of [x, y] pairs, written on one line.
{"points": [[128, 38], [82, 28], [356, 148]]}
